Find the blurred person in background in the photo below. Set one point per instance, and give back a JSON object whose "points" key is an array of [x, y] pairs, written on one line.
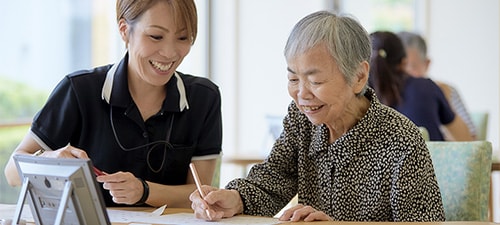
{"points": [[418, 64], [420, 99]]}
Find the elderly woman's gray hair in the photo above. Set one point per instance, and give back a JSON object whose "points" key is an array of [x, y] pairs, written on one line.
{"points": [[347, 41]]}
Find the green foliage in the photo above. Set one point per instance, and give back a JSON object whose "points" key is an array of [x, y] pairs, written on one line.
{"points": [[18, 100], [10, 138], [393, 15]]}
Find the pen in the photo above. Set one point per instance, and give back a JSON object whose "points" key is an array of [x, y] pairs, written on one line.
{"points": [[98, 172], [198, 185]]}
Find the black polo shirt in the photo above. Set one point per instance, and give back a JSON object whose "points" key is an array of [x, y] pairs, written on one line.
{"points": [[77, 114]]}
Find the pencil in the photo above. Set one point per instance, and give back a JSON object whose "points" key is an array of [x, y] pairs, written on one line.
{"points": [[198, 185]]}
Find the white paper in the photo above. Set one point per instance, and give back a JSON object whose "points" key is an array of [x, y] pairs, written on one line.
{"points": [[125, 216], [158, 211]]}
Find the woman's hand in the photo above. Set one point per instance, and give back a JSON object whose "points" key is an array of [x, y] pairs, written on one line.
{"points": [[217, 204], [66, 152], [124, 187], [29, 146], [306, 213]]}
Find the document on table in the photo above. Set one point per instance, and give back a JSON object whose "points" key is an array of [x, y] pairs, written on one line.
{"points": [[126, 216]]}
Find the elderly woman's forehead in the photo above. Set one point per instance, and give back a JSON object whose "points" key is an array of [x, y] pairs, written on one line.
{"points": [[302, 48], [318, 56]]}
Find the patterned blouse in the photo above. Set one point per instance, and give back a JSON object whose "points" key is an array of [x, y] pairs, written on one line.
{"points": [[380, 170]]}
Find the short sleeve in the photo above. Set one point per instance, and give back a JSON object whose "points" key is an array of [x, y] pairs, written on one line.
{"points": [[205, 106], [55, 123], [210, 140]]}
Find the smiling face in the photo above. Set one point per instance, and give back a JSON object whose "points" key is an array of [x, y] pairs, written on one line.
{"points": [[320, 90], [156, 44]]}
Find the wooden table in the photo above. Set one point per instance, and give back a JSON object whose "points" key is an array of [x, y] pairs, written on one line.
{"points": [[495, 166], [7, 210], [243, 161]]}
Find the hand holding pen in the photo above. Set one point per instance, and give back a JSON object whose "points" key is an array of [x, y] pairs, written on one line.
{"points": [[198, 186], [222, 203]]}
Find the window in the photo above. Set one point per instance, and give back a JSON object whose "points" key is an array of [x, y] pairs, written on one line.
{"points": [[391, 15]]}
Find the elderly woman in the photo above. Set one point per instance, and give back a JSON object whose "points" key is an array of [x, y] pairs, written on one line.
{"points": [[346, 155]]}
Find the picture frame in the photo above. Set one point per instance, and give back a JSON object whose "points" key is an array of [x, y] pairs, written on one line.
{"points": [[60, 191]]}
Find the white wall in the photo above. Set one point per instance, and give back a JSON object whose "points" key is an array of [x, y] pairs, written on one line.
{"points": [[463, 38], [248, 64], [248, 37]]}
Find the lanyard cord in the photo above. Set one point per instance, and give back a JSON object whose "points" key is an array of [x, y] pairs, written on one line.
{"points": [[152, 144]]}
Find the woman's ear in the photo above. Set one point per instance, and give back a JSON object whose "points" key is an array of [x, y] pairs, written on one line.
{"points": [[361, 78], [123, 28]]}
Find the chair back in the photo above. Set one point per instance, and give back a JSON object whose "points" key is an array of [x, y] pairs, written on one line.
{"points": [[216, 177], [480, 121], [425, 133], [463, 174]]}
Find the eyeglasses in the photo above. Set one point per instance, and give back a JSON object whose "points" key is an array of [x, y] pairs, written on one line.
{"points": [[150, 146]]}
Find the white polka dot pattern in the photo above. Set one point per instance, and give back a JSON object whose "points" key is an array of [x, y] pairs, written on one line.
{"points": [[380, 170]]}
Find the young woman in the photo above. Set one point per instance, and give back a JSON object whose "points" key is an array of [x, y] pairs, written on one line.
{"points": [[139, 120]]}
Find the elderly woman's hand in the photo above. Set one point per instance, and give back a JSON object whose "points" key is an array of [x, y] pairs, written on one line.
{"points": [[306, 213], [217, 204]]}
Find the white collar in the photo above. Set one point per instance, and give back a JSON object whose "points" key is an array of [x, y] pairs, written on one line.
{"points": [[108, 86]]}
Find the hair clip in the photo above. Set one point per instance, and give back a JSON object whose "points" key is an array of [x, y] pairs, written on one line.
{"points": [[382, 53]]}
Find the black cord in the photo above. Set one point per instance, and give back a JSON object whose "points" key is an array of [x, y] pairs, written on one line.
{"points": [[152, 144]]}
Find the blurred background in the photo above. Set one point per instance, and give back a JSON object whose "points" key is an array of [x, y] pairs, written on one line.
{"points": [[240, 47]]}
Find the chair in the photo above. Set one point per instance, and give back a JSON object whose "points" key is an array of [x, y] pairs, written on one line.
{"points": [[216, 177], [463, 174], [425, 133], [480, 120]]}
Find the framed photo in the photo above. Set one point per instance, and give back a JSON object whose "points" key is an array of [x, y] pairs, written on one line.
{"points": [[60, 191]]}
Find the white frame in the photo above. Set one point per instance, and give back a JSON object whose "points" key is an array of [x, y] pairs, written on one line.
{"points": [[60, 191]]}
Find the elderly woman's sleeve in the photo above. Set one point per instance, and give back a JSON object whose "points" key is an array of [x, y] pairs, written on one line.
{"points": [[415, 192], [270, 185]]}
